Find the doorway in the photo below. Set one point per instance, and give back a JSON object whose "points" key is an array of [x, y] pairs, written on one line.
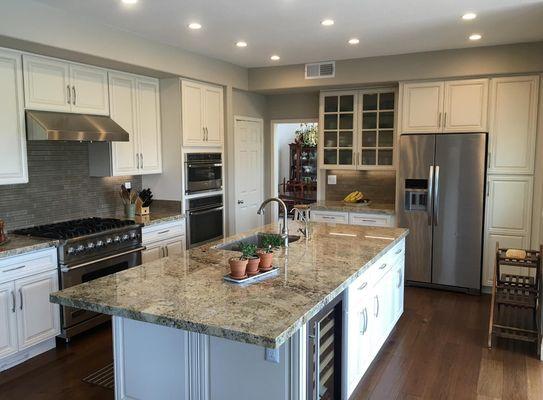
{"points": [[248, 172], [294, 164]]}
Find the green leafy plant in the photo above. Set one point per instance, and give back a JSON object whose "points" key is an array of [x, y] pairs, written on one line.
{"points": [[308, 135], [248, 250], [270, 242]]}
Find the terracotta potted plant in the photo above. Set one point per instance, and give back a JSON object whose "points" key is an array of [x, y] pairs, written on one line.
{"points": [[249, 252], [269, 242], [238, 267]]}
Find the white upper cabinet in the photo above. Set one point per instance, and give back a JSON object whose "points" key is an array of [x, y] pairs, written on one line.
{"points": [[135, 106], [422, 106], [513, 124], [56, 85], [465, 106], [13, 161], [202, 114], [451, 106]]}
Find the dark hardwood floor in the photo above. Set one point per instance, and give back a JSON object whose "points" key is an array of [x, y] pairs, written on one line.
{"points": [[437, 351]]}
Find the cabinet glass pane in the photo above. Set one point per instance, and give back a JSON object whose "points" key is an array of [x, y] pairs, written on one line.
{"points": [[330, 139], [369, 102], [386, 120], [368, 157], [345, 139], [369, 120], [386, 101], [386, 138], [385, 157], [330, 104], [330, 156], [346, 103], [369, 139], [330, 121], [345, 157], [346, 121]]}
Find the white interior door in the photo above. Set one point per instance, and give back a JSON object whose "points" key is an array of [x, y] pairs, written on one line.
{"points": [[249, 174]]}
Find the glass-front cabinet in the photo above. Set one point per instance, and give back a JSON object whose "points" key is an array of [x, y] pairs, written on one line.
{"points": [[357, 129]]}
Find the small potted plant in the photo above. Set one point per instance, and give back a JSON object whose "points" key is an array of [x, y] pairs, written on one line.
{"points": [[248, 251], [238, 267], [269, 242]]}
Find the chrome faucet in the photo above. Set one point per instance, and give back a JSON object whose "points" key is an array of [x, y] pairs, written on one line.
{"points": [[281, 203], [305, 220]]}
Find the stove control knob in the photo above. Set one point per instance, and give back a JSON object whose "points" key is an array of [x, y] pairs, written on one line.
{"points": [[109, 240], [125, 237], [99, 243], [71, 251], [133, 235], [90, 246], [79, 248], [117, 239]]}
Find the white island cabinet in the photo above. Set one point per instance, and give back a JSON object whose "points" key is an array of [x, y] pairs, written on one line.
{"points": [[158, 362]]}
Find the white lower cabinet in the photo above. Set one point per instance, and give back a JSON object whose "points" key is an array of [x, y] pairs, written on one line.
{"points": [[374, 305], [330, 216], [28, 321], [163, 240], [352, 218]]}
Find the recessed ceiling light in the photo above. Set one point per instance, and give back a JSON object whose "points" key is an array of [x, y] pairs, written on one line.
{"points": [[469, 16], [194, 25], [327, 22], [241, 44], [275, 57], [475, 36], [129, 1], [354, 41]]}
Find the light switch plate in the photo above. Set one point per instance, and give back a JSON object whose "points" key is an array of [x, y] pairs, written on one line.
{"points": [[272, 355], [332, 179], [128, 185]]}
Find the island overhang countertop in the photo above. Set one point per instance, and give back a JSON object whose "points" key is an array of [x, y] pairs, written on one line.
{"points": [[188, 292]]}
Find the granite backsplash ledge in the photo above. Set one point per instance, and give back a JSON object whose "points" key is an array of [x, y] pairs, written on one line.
{"points": [[379, 186], [60, 188]]}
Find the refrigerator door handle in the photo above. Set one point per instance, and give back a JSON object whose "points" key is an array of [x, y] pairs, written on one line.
{"points": [[430, 194], [436, 196]]}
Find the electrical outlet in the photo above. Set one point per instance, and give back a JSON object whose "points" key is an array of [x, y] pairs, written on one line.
{"points": [[272, 355], [128, 185], [332, 179]]}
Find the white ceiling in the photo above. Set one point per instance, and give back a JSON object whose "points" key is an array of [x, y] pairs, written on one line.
{"points": [[292, 29]]}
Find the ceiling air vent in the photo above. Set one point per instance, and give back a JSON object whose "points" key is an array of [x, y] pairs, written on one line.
{"points": [[320, 70]]}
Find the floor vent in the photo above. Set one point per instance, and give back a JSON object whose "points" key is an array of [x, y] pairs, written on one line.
{"points": [[104, 377], [326, 69]]}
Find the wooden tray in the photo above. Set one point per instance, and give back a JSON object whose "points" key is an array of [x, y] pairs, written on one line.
{"points": [[261, 276]]}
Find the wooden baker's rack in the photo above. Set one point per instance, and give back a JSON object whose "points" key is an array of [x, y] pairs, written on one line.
{"points": [[515, 310]]}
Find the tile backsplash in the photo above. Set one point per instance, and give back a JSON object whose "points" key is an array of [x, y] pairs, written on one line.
{"points": [[379, 186], [60, 188]]}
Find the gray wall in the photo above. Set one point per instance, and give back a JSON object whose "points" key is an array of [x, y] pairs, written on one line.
{"points": [[59, 188], [477, 61]]}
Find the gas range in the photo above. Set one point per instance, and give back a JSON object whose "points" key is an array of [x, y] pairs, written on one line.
{"points": [[88, 249]]}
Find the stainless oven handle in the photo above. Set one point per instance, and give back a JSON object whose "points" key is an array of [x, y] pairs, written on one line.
{"points": [[204, 165], [66, 269], [206, 211]]}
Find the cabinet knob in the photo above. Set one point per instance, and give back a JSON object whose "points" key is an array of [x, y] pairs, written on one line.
{"points": [[241, 202]]}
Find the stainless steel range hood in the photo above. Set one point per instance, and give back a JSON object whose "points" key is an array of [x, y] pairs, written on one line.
{"points": [[47, 125]]}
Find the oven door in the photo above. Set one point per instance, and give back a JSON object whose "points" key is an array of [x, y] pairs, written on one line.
{"points": [[202, 177], [205, 225], [88, 271]]}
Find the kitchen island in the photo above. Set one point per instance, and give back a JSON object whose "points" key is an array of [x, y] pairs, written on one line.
{"points": [[181, 332]]}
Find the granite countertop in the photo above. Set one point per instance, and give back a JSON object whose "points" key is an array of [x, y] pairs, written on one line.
{"points": [[19, 244], [371, 208], [188, 292]]}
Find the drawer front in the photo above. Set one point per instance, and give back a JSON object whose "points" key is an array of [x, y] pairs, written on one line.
{"points": [[163, 231], [28, 264], [369, 220], [389, 260], [330, 216]]}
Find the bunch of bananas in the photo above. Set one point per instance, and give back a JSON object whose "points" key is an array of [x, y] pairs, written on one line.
{"points": [[354, 197]]}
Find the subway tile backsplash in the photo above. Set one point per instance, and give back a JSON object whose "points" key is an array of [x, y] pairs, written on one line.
{"points": [[379, 186], [60, 188]]}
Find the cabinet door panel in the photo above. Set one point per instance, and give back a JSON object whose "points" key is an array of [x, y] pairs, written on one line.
{"points": [[152, 252], [47, 84], [422, 105], [8, 320], [513, 124], [213, 116], [193, 117], [122, 88], [510, 204], [148, 115], [466, 106], [13, 162], [90, 90], [175, 247], [37, 318]]}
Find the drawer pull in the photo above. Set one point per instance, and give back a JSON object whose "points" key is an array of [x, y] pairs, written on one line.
{"points": [[14, 269], [163, 232], [368, 220], [383, 266], [327, 217], [21, 295], [13, 298], [363, 286], [398, 251]]}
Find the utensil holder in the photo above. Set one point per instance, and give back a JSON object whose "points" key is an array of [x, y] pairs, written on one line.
{"points": [[130, 210]]}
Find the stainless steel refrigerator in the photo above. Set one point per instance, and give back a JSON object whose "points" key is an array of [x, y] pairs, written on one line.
{"points": [[441, 200]]}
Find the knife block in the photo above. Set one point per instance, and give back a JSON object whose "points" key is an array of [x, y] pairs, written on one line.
{"points": [[140, 210]]}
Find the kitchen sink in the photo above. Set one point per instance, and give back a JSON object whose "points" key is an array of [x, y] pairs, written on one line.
{"points": [[254, 239]]}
